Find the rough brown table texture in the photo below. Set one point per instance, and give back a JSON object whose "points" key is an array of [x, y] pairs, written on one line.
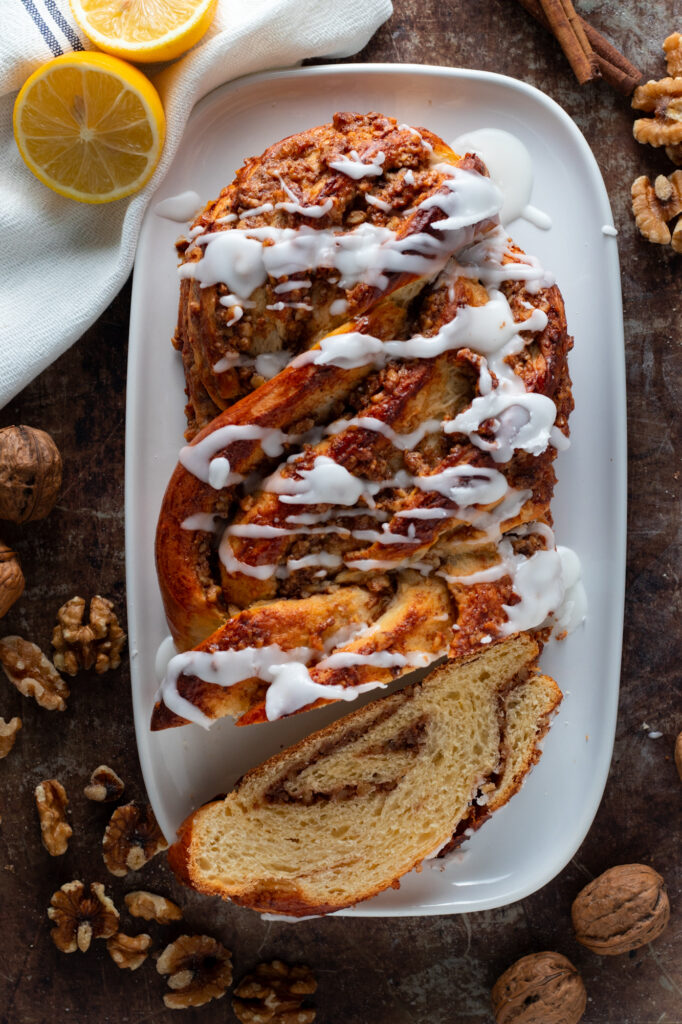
{"points": [[422, 971]]}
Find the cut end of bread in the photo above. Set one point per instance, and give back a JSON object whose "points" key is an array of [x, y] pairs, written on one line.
{"points": [[352, 808]]}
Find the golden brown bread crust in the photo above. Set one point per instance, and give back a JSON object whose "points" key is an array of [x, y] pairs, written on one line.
{"points": [[209, 606], [301, 162], [276, 781]]}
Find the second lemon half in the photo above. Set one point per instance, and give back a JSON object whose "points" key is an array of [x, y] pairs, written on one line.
{"points": [[144, 30]]}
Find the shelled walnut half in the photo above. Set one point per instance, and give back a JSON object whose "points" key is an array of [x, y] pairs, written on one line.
{"points": [[543, 988], [199, 969], [152, 907], [52, 801], [129, 951], [105, 785], [96, 644], [275, 993], [623, 909], [8, 734], [79, 917], [26, 666], [132, 838], [655, 205]]}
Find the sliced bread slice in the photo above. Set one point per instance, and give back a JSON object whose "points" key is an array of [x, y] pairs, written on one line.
{"points": [[353, 807]]}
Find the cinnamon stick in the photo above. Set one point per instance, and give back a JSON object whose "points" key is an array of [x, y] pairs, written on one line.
{"points": [[567, 30], [615, 68]]}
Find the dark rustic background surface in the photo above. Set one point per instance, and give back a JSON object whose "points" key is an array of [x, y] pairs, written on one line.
{"points": [[434, 970]]}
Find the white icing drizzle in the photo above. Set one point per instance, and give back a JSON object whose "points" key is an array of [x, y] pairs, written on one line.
{"points": [[292, 688], [179, 208], [510, 167], [520, 420], [256, 211], [229, 218], [380, 204], [294, 206], [279, 306], [353, 167], [202, 521], [377, 659], [409, 177], [291, 286], [608, 229], [202, 460], [338, 307], [405, 442], [413, 131]]}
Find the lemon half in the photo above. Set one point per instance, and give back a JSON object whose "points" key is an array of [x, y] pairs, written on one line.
{"points": [[90, 126], [144, 30]]}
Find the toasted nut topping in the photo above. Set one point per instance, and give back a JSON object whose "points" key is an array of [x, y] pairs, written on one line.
{"points": [[129, 951], [105, 785], [8, 734], [672, 47], [79, 918], [664, 100], [33, 675], [11, 579], [542, 987], [78, 645], [275, 994], [51, 801], [152, 907], [676, 240], [623, 909], [652, 210], [199, 969], [132, 838]]}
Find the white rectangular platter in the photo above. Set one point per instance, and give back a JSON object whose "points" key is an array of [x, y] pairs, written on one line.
{"points": [[529, 841]]}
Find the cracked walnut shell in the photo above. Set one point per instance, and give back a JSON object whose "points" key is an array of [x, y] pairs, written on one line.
{"points": [[623, 909], [30, 474], [105, 785], [11, 579], [8, 734], [199, 969], [132, 837], [52, 801], [655, 205], [97, 644], [152, 907], [664, 100], [129, 951], [26, 666], [275, 993], [543, 988], [80, 918]]}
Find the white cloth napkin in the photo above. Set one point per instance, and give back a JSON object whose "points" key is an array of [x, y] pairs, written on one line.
{"points": [[63, 262]]}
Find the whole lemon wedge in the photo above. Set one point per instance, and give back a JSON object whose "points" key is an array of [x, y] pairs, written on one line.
{"points": [[90, 126], [144, 30]]}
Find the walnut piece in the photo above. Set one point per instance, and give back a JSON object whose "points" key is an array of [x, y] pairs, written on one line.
{"points": [[275, 993], [30, 474], [678, 755], [11, 579], [664, 100], [132, 837], [129, 951], [80, 918], [97, 644], [152, 907], [623, 909], [674, 153], [33, 675], [655, 205], [543, 988], [199, 969], [105, 785], [8, 734], [52, 801], [672, 47]]}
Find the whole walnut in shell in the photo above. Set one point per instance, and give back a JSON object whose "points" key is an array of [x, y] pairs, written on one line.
{"points": [[543, 988], [623, 909], [11, 579], [30, 474]]}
